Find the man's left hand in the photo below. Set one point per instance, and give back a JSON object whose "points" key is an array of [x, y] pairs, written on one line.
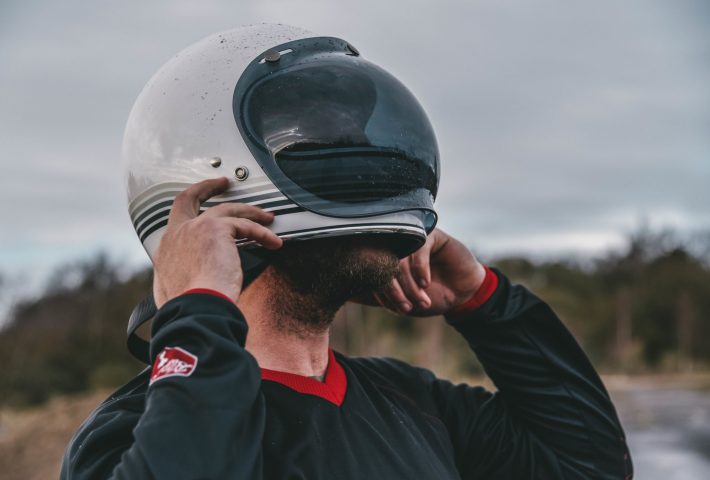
{"points": [[435, 279]]}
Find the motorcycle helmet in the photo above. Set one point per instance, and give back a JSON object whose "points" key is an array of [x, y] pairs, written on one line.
{"points": [[302, 125]]}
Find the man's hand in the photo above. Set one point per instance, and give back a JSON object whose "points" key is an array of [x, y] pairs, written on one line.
{"points": [[199, 251], [438, 277]]}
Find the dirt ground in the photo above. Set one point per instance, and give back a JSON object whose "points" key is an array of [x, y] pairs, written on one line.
{"points": [[32, 441]]}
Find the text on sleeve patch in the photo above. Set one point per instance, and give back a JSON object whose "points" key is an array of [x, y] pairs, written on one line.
{"points": [[173, 362]]}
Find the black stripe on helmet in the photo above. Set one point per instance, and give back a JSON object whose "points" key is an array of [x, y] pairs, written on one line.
{"points": [[145, 233]]}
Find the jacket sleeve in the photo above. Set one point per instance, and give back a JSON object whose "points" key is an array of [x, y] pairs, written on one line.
{"points": [[204, 421], [551, 417]]}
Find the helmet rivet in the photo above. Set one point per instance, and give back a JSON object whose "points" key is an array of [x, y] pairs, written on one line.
{"points": [[272, 56], [241, 173], [215, 162]]}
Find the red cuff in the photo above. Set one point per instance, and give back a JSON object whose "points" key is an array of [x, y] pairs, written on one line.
{"points": [[208, 291], [484, 292]]}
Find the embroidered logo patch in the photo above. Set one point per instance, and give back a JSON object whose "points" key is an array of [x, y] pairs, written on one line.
{"points": [[173, 362]]}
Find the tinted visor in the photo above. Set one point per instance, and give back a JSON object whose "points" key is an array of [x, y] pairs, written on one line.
{"points": [[337, 134]]}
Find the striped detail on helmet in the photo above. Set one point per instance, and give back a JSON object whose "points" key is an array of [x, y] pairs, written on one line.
{"points": [[149, 211]]}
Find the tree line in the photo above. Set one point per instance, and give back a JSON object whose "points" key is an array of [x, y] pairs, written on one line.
{"points": [[644, 308]]}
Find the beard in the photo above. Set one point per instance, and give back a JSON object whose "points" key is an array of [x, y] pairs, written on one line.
{"points": [[314, 278]]}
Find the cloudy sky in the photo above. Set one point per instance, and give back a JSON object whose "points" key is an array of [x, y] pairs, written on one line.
{"points": [[561, 123]]}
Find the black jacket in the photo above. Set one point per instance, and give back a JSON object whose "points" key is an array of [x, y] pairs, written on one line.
{"points": [[373, 418]]}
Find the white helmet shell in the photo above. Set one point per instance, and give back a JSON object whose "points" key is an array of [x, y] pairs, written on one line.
{"points": [[182, 130]]}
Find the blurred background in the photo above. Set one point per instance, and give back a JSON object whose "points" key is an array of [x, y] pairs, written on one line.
{"points": [[575, 143]]}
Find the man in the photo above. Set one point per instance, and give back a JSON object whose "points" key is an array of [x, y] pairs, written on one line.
{"points": [[243, 383]]}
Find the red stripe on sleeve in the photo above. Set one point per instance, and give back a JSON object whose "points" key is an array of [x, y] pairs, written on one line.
{"points": [[208, 291], [484, 292]]}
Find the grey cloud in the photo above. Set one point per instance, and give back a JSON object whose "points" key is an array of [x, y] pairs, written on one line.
{"points": [[556, 119]]}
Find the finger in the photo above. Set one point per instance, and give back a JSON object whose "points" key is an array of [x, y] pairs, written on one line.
{"points": [[419, 264], [245, 228], [187, 203], [240, 210], [382, 301], [394, 293], [414, 292], [439, 239], [378, 299], [385, 302]]}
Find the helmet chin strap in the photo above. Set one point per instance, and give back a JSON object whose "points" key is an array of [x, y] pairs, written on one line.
{"points": [[254, 261], [252, 265], [144, 311]]}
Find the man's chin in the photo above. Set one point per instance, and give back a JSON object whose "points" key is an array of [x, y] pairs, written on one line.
{"points": [[343, 266], [374, 253]]}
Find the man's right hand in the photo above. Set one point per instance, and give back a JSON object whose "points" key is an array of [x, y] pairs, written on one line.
{"points": [[200, 251]]}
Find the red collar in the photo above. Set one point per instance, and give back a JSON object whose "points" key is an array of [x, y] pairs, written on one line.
{"points": [[332, 389]]}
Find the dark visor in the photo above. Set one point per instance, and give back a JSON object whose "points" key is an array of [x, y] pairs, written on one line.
{"points": [[337, 134]]}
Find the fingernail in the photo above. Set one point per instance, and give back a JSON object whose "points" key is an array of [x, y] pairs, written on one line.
{"points": [[424, 304], [405, 306], [422, 282]]}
